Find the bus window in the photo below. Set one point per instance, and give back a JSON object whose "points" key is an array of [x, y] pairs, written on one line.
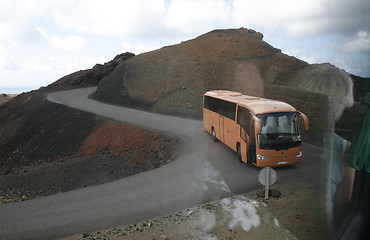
{"points": [[225, 108], [279, 131], [244, 119]]}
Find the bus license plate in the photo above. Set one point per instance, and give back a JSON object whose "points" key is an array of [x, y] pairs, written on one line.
{"points": [[285, 162]]}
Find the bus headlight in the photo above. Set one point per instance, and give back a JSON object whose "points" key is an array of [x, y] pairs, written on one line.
{"points": [[299, 154], [261, 157]]}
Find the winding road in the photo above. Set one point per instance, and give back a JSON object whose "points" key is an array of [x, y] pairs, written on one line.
{"points": [[204, 171]]}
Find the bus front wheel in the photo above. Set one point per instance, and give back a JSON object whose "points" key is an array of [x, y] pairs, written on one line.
{"points": [[214, 138]]}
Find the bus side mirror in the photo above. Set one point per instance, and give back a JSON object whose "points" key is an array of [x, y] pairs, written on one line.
{"points": [[305, 121]]}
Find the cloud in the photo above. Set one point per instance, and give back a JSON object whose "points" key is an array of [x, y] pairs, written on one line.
{"points": [[136, 48], [110, 17], [15, 32], [304, 56], [17, 18], [303, 18], [346, 16], [43, 69], [182, 18], [71, 43], [195, 16], [273, 14], [143, 19], [360, 44], [7, 63]]}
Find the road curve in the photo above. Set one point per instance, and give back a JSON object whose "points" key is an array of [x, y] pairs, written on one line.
{"points": [[204, 171]]}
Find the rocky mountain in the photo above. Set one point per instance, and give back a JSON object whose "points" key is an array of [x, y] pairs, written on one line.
{"points": [[173, 79], [91, 77]]}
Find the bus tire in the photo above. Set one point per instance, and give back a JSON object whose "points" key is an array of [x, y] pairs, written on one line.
{"points": [[239, 153], [214, 138]]}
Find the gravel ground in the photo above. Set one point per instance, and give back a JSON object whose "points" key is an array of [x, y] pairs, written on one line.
{"points": [[290, 213]]}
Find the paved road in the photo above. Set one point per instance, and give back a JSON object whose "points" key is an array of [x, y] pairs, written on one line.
{"points": [[204, 171]]}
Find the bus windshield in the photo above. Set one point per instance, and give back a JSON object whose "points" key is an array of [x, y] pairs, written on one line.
{"points": [[279, 131]]}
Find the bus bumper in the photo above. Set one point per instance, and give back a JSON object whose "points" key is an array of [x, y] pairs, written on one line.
{"points": [[277, 162]]}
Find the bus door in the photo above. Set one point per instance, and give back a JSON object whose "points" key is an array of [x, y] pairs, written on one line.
{"points": [[247, 142], [252, 142], [243, 144], [221, 128]]}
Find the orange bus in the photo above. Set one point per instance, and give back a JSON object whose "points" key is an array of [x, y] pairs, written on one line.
{"points": [[263, 132]]}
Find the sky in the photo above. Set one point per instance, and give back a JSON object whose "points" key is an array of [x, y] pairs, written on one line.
{"points": [[44, 40]]}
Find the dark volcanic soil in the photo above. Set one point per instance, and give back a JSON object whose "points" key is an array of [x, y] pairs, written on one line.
{"points": [[35, 131], [63, 175], [46, 148], [49, 148]]}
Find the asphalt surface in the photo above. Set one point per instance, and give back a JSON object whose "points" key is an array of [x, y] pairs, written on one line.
{"points": [[204, 171]]}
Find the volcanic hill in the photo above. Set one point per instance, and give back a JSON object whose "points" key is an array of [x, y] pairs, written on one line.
{"points": [[47, 148], [174, 78]]}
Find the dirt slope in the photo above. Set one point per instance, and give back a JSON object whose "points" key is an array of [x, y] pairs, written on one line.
{"points": [[293, 212]]}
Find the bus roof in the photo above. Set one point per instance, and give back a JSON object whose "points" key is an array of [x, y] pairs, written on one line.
{"points": [[256, 105]]}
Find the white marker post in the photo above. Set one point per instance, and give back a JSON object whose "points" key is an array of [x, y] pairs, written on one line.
{"points": [[267, 183], [267, 176]]}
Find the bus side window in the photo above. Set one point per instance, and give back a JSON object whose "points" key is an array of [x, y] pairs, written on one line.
{"points": [[243, 120], [225, 108]]}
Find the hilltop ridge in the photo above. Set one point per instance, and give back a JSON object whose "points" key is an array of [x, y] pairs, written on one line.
{"points": [[173, 79]]}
